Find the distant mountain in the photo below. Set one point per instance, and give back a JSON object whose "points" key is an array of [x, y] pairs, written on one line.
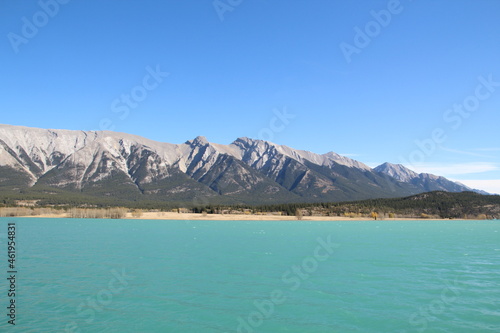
{"points": [[397, 171], [426, 182], [61, 164]]}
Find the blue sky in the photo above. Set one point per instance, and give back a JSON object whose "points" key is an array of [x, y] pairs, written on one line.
{"points": [[412, 82]]}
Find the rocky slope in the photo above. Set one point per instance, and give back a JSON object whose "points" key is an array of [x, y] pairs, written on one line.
{"points": [[425, 182], [130, 167]]}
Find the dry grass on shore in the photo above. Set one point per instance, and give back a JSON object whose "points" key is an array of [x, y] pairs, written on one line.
{"points": [[89, 213], [82, 213], [26, 211]]}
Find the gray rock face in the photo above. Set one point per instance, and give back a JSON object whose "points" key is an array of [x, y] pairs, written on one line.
{"points": [[426, 182], [246, 171]]}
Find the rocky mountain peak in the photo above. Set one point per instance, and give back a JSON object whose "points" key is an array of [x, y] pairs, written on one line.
{"points": [[199, 141], [398, 171], [245, 142]]}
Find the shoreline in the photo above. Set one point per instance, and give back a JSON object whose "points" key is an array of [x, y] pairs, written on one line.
{"points": [[170, 216]]}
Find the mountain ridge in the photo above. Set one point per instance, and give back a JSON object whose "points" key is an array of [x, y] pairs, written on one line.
{"points": [[426, 181], [104, 163]]}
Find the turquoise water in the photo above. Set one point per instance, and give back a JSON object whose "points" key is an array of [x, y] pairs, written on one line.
{"points": [[247, 276]]}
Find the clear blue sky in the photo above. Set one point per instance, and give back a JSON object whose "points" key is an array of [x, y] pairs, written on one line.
{"points": [[232, 68]]}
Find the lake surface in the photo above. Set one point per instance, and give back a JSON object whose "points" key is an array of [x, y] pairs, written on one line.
{"points": [[253, 276]]}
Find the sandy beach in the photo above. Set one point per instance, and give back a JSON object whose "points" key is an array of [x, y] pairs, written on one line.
{"points": [[229, 217]]}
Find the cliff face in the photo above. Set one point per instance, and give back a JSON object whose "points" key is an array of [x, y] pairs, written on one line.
{"points": [[247, 170]]}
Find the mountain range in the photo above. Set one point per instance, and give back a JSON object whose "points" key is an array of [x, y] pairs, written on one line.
{"points": [[132, 168]]}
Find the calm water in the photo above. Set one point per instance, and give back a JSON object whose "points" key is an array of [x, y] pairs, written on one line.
{"points": [[238, 276]]}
